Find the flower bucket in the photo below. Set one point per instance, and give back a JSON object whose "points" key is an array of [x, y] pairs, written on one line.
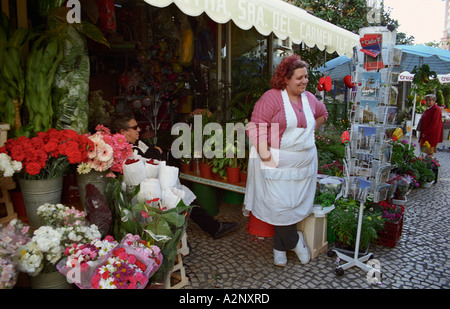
{"points": [[52, 280], [98, 179], [399, 201], [38, 192], [427, 184], [391, 233], [231, 197], [206, 197], [233, 174], [205, 170], [259, 228]]}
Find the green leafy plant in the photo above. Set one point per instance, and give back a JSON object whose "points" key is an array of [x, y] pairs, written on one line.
{"points": [[185, 159], [325, 199], [424, 173], [100, 110], [329, 150], [344, 222], [402, 152]]}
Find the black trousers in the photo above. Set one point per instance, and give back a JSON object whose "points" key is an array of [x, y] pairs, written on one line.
{"points": [[203, 219], [285, 237]]}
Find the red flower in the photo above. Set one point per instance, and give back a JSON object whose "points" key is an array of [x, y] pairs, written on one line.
{"points": [[144, 214], [141, 265], [33, 168], [51, 146], [37, 142], [118, 251], [131, 161], [105, 275]]}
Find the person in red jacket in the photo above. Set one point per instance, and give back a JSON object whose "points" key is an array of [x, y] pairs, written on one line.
{"points": [[431, 126]]}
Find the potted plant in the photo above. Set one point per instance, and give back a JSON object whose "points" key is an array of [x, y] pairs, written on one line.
{"points": [[325, 199], [219, 168], [243, 165], [433, 164], [206, 168], [424, 174], [185, 164], [233, 170], [343, 221], [393, 225]]}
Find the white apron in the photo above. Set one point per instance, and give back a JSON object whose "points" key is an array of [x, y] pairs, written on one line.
{"points": [[285, 195]]}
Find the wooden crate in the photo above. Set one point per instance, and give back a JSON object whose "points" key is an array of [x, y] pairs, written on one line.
{"points": [[4, 128], [177, 275], [7, 212], [314, 229]]}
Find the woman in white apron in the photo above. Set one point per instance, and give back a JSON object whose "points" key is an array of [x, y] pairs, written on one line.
{"points": [[282, 176]]}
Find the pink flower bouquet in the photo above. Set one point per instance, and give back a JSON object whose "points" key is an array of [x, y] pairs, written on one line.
{"points": [[106, 264], [109, 152], [130, 265], [82, 259], [13, 235]]}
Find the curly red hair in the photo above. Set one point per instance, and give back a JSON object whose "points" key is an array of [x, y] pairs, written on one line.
{"points": [[285, 70]]}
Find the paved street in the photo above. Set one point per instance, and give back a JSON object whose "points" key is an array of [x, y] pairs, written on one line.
{"points": [[421, 258]]}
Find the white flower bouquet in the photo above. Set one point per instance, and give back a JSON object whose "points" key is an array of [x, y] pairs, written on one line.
{"points": [[8, 166], [64, 227]]}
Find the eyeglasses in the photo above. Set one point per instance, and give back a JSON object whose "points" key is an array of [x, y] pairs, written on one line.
{"points": [[134, 127]]}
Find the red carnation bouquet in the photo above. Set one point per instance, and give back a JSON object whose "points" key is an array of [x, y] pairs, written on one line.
{"points": [[49, 154]]}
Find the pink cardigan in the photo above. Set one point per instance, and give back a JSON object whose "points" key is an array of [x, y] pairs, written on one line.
{"points": [[270, 109]]}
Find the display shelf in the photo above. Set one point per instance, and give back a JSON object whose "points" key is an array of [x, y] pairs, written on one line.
{"points": [[221, 184]]}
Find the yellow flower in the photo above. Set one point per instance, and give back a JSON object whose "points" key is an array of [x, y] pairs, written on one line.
{"points": [[409, 129], [426, 144]]}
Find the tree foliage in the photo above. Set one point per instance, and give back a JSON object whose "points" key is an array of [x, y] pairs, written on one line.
{"points": [[348, 14]]}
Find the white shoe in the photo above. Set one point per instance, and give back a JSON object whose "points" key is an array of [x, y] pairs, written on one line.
{"points": [[279, 258], [302, 250]]}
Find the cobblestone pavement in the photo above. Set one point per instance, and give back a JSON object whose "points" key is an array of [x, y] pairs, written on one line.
{"points": [[421, 258]]}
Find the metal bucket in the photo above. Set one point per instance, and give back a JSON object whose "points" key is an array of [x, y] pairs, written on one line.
{"points": [[52, 280], [98, 179], [38, 192]]}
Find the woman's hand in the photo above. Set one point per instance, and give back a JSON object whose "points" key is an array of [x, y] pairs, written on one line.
{"points": [[319, 122], [266, 155]]}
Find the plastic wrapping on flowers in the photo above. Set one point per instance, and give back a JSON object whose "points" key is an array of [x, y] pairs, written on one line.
{"points": [[109, 265], [157, 225]]}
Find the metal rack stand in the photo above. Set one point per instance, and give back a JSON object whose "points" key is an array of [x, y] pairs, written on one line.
{"points": [[355, 260]]}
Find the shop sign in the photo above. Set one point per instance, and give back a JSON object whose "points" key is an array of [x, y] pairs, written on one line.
{"points": [[267, 16]]}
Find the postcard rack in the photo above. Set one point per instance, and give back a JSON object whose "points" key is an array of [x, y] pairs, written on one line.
{"points": [[373, 111]]}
